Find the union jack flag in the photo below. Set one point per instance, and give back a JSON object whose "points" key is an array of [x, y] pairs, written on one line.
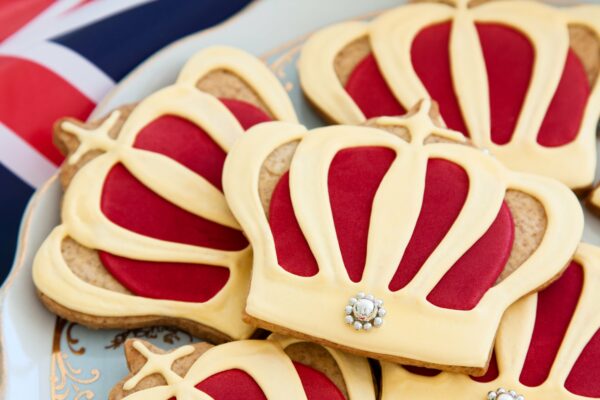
{"points": [[59, 58]]}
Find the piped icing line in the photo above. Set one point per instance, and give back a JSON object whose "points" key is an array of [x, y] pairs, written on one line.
{"points": [[512, 346], [250, 69], [332, 97], [83, 220], [391, 36], [281, 298], [265, 361]]}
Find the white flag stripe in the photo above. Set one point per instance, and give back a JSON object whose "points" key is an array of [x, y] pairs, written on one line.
{"points": [[89, 14], [23, 160], [57, 19], [71, 66]]}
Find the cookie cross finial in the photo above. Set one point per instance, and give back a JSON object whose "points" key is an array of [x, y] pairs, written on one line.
{"points": [[158, 364], [97, 138], [420, 125], [461, 4]]}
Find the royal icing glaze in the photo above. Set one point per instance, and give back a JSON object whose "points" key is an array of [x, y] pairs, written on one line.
{"points": [[313, 304], [529, 114], [547, 346], [105, 203], [271, 372]]}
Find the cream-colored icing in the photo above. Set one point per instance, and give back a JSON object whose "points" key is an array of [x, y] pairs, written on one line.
{"points": [[83, 220], [265, 361], [391, 36], [512, 345], [250, 69], [317, 74], [414, 328]]}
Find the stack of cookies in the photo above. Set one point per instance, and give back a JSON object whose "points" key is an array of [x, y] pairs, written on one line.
{"points": [[423, 246]]}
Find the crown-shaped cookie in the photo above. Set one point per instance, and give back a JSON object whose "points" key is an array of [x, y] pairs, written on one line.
{"points": [[518, 77], [146, 235], [393, 249], [548, 347], [274, 369]]}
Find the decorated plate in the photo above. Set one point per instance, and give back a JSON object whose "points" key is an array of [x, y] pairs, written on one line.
{"points": [[46, 357]]}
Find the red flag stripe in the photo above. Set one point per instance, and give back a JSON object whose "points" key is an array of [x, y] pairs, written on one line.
{"points": [[32, 98], [16, 14]]}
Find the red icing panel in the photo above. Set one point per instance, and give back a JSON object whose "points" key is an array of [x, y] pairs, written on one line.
{"points": [[508, 80], [317, 386], [233, 384], [492, 372], [370, 92], [185, 143], [508, 83], [446, 188], [564, 116], [555, 308], [247, 114], [583, 379], [431, 61], [236, 384], [354, 177], [128, 203], [293, 253], [163, 280], [478, 269]]}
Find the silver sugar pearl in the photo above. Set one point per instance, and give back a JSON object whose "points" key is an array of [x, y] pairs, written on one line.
{"points": [[364, 310], [505, 396]]}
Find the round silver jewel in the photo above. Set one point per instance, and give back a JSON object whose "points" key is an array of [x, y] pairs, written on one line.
{"points": [[503, 394], [364, 312]]}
